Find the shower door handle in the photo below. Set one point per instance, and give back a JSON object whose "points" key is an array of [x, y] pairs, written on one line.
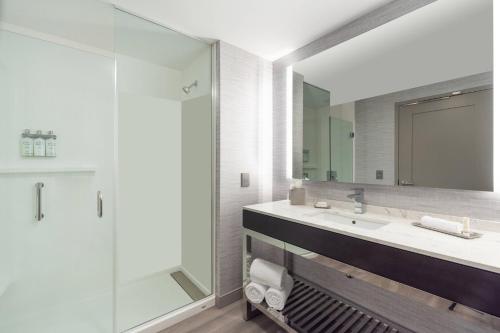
{"points": [[99, 204], [38, 198]]}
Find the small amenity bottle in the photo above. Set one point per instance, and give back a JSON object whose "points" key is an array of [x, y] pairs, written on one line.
{"points": [[50, 144], [26, 143], [39, 145]]}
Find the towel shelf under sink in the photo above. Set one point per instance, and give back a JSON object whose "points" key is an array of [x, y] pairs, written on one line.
{"points": [[312, 309]]}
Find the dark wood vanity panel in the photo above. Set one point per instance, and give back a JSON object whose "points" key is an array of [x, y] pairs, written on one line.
{"points": [[473, 287]]}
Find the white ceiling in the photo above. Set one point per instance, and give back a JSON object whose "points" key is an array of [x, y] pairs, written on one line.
{"points": [[268, 28], [444, 40]]}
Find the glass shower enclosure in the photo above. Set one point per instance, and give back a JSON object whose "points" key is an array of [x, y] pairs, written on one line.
{"points": [[111, 227]]}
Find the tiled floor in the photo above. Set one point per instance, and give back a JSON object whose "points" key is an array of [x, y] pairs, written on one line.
{"points": [[225, 320]]}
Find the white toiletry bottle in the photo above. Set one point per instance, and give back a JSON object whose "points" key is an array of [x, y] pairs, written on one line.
{"points": [[39, 144], [26, 143], [50, 144], [358, 207], [466, 229]]}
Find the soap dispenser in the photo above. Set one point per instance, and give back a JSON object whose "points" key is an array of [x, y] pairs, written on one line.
{"points": [[26, 143], [39, 145], [50, 144]]}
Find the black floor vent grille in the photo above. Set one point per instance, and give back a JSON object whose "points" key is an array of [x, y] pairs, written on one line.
{"points": [[312, 310]]}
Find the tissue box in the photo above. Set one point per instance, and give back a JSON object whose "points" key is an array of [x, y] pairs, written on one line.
{"points": [[297, 196]]}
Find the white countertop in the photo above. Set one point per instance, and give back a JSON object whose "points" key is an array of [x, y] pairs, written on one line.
{"points": [[483, 253]]}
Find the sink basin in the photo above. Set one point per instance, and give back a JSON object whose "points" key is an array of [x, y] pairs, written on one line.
{"points": [[355, 222]]}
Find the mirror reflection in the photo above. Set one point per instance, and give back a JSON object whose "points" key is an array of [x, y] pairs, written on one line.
{"points": [[409, 103]]}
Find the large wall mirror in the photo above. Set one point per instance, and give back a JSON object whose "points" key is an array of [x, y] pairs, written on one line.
{"points": [[409, 103]]}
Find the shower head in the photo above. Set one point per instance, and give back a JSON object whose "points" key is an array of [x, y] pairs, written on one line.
{"points": [[187, 89]]}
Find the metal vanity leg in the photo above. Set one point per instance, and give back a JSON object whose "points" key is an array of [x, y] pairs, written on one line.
{"points": [[288, 260], [249, 311]]}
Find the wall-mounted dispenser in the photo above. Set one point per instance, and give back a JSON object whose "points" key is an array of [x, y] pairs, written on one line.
{"points": [[50, 144], [26, 143], [38, 144]]}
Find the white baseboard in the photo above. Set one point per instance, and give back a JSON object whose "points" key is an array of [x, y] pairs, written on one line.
{"points": [[174, 317]]}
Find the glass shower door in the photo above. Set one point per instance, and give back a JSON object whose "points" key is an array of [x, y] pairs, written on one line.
{"points": [[56, 253], [342, 149], [164, 225]]}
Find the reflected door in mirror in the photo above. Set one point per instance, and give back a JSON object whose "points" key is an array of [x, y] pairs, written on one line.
{"points": [[448, 142]]}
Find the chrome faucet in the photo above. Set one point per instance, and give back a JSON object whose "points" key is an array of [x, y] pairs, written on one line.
{"points": [[358, 197]]}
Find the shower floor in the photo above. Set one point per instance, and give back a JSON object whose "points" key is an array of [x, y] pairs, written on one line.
{"points": [[137, 302], [89, 316], [149, 298]]}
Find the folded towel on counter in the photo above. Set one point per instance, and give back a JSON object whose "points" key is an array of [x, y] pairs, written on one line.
{"points": [[276, 298], [255, 292], [268, 274], [441, 224]]}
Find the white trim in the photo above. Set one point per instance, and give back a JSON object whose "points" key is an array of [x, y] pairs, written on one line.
{"points": [[55, 39], [214, 110], [116, 195], [174, 317]]}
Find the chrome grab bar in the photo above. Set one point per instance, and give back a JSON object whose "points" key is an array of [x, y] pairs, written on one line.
{"points": [[99, 204], [38, 214]]}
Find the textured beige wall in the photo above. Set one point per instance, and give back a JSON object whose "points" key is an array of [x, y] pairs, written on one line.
{"points": [[243, 111]]}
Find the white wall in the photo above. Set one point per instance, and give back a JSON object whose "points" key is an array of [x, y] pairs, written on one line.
{"points": [[200, 70], [197, 191], [197, 172], [86, 22], [143, 78], [149, 164]]}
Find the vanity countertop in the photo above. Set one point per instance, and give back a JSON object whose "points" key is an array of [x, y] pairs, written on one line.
{"points": [[482, 253]]}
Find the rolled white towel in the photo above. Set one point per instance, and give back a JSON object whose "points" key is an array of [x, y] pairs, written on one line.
{"points": [[441, 224], [267, 273], [276, 298], [255, 292]]}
